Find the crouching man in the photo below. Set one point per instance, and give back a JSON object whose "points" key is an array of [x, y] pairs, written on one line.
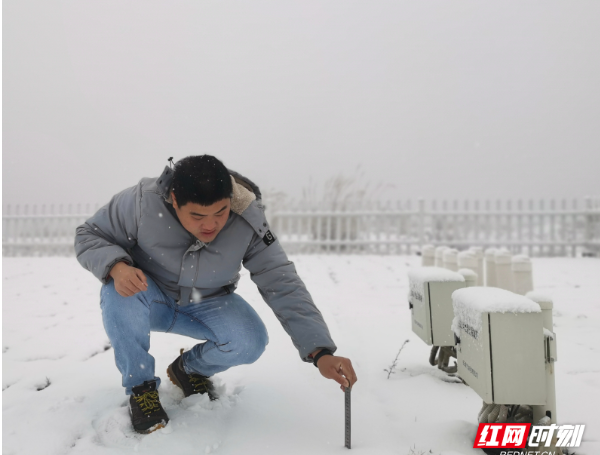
{"points": [[168, 251]]}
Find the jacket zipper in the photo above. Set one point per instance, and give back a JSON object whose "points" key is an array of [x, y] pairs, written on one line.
{"points": [[197, 265]]}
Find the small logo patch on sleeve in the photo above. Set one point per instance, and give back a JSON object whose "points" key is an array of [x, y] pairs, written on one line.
{"points": [[268, 238]]}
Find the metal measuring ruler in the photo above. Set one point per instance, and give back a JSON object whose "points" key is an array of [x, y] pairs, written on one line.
{"points": [[347, 391]]}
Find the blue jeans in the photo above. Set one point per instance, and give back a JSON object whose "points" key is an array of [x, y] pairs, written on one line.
{"points": [[233, 331]]}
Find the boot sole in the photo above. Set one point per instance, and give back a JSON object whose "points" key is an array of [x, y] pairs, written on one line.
{"points": [[152, 429], [158, 426]]}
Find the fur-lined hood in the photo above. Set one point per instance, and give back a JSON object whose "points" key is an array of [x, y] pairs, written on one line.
{"points": [[241, 197]]}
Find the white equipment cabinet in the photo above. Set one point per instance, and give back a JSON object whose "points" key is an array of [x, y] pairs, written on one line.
{"points": [[478, 252], [490, 267], [504, 278], [549, 408], [428, 255], [470, 277], [439, 256], [450, 259], [522, 274], [500, 353], [430, 301]]}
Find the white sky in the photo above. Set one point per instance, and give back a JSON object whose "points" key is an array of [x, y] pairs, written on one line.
{"points": [[441, 99]]}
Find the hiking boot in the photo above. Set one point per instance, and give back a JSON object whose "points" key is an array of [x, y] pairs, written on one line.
{"points": [[147, 414], [190, 383]]}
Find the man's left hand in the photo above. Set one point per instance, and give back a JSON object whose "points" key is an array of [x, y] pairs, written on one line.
{"points": [[339, 369]]}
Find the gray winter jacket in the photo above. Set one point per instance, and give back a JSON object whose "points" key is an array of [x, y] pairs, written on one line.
{"points": [[139, 226]]}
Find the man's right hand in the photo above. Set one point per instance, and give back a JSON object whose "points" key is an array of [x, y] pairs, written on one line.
{"points": [[128, 280]]}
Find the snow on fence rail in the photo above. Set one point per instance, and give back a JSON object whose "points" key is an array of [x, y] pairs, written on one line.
{"points": [[536, 228], [542, 228], [40, 230]]}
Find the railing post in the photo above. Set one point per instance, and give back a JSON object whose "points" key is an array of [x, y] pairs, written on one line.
{"points": [[6, 222], [574, 224], [421, 223], [596, 228], [589, 225]]}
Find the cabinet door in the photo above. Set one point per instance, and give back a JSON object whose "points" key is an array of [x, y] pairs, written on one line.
{"points": [[473, 357], [421, 318], [518, 368], [442, 312]]}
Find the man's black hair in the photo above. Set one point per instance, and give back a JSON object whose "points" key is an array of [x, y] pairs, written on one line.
{"points": [[201, 179]]}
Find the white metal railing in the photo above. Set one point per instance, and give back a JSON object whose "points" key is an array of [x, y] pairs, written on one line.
{"points": [[42, 230], [537, 228]]}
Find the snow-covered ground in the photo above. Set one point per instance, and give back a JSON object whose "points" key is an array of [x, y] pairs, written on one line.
{"points": [[62, 392]]}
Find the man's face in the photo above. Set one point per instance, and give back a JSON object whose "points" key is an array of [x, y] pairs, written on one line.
{"points": [[203, 221]]}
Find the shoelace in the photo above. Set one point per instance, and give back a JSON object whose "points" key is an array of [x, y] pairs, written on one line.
{"points": [[148, 402], [200, 384]]}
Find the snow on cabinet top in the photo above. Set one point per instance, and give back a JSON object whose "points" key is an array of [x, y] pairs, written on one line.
{"points": [[521, 258], [428, 250], [420, 275], [538, 297], [470, 303], [426, 274], [543, 300], [467, 273]]}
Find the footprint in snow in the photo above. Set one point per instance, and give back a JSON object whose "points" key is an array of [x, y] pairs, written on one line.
{"points": [[114, 428], [202, 404], [173, 396]]}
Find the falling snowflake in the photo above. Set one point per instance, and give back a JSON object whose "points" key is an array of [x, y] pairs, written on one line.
{"points": [[196, 296]]}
